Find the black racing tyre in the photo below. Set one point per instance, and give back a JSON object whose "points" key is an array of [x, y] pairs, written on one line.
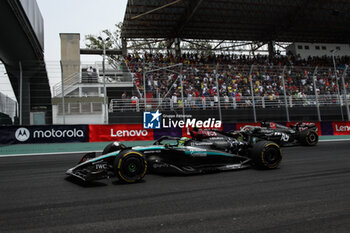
{"points": [[114, 146], [130, 166], [266, 155], [308, 137]]}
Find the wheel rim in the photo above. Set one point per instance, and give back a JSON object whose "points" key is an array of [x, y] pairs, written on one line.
{"points": [[312, 138], [132, 167], [272, 156]]}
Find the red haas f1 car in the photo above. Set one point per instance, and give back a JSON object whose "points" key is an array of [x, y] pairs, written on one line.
{"points": [[297, 134], [182, 156]]}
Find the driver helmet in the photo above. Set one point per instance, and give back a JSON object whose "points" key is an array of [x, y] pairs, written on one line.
{"points": [[183, 140]]}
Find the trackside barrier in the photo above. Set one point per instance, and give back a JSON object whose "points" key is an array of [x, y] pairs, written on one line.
{"points": [[43, 134], [127, 132]]}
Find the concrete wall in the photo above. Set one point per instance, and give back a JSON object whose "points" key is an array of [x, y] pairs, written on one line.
{"points": [[76, 119], [70, 57], [318, 49]]}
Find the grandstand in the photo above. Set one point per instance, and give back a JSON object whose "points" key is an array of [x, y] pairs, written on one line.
{"points": [[226, 83], [296, 87]]}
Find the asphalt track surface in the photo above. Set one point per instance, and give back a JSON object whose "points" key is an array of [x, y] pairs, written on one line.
{"points": [[310, 192]]}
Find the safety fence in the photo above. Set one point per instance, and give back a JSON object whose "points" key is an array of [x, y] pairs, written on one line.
{"points": [[218, 86], [90, 91], [205, 103], [127, 132]]}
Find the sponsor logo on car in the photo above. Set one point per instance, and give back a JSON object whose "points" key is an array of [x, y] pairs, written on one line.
{"points": [[160, 165], [101, 166]]}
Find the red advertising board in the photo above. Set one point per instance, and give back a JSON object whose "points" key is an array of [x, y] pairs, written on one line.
{"points": [[341, 127], [122, 132], [318, 125]]}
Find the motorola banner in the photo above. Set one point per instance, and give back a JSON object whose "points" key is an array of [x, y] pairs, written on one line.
{"points": [[44, 134]]}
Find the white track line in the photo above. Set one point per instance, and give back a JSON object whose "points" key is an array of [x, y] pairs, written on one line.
{"points": [[335, 140], [51, 153]]}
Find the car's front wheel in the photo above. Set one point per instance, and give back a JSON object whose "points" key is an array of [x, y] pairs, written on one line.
{"points": [[266, 155], [130, 166]]}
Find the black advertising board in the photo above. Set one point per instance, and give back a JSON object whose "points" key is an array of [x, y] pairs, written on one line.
{"points": [[44, 134]]}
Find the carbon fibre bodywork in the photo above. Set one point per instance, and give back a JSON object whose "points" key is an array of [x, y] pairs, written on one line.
{"points": [[193, 157], [297, 134]]}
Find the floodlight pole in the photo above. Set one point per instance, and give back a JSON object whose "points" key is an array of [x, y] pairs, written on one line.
{"points": [[104, 79]]}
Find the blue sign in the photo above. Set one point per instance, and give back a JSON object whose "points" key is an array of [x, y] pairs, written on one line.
{"points": [[152, 120]]}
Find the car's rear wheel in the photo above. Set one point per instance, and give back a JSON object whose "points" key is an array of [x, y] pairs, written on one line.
{"points": [[266, 155], [309, 138], [130, 166]]}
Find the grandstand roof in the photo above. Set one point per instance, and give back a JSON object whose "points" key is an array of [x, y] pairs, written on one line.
{"points": [[323, 21]]}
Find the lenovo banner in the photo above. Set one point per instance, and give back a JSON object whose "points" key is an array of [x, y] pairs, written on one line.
{"points": [[122, 132], [43, 134], [341, 128]]}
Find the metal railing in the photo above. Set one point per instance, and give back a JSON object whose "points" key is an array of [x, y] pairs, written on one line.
{"points": [[68, 84], [118, 105], [226, 103]]}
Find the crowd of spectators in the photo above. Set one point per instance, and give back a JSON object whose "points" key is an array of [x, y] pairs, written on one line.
{"points": [[232, 72]]}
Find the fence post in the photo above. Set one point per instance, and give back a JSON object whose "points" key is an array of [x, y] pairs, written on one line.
{"points": [[338, 87], [20, 93], [137, 105], [316, 94], [182, 95], [345, 92], [62, 87], [263, 101], [285, 93], [218, 91], [252, 90], [144, 86]]}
